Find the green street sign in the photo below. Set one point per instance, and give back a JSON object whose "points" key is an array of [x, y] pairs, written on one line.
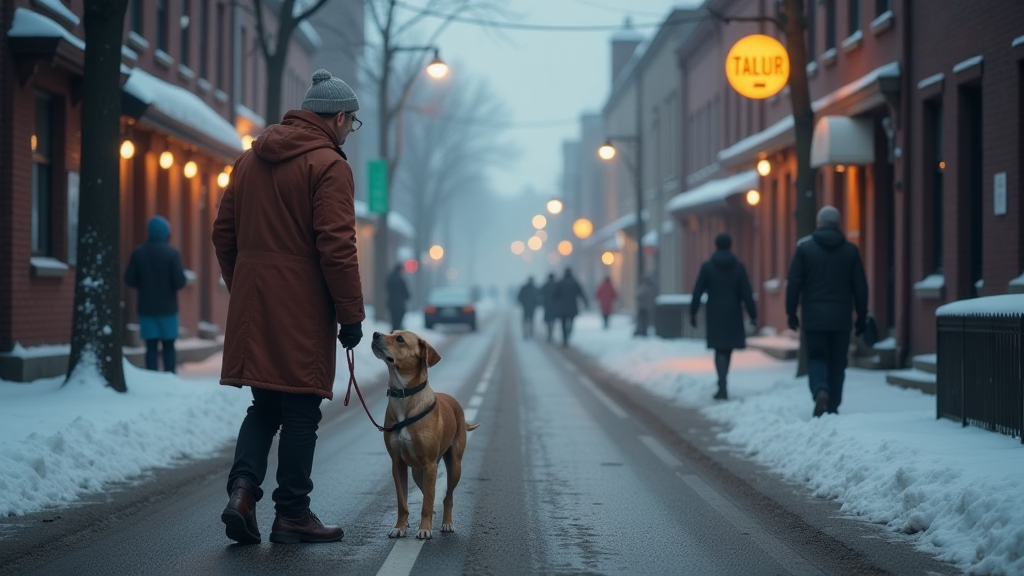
{"points": [[377, 192]]}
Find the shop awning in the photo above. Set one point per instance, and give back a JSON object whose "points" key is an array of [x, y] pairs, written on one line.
{"points": [[842, 140], [176, 111], [397, 223], [625, 223], [34, 37], [713, 194]]}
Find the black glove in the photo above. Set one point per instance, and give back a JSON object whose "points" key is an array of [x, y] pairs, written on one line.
{"points": [[350, 334], [693, 321], [859, 327], [794, 323]]}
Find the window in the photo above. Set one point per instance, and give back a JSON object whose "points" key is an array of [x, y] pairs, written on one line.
{"points": [[935, 167], [186, 25], [854, 16], [882, 6], [137, 16], [830, 24], [42, 177], [219, 34], [812, 29], [161, 25], [204, 32]]}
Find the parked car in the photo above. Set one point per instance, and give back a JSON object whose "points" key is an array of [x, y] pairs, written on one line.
{"points": [[449, 305]]}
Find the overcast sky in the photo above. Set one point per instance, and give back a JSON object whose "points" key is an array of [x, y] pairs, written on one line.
{"points": [[547, 79]]}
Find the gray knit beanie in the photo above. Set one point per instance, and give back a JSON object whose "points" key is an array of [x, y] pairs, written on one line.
{"points": [[829, 216], [329, 95]]}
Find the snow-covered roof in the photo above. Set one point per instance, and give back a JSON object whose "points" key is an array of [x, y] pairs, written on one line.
{"points": [[251, 116], [396, 222], [29, 24], [1005, 304], [182, 106], [608, 230], [713, 192], [60, 10], [650, 238]]}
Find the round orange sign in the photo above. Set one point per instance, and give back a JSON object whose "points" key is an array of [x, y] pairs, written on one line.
{"points": [[757, 66]]}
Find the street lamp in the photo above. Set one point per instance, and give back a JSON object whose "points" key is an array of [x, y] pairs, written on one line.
{"points": [[607, 151], [437, 69], [555, 206], [539, 221], [583, 228], [436, 252]]}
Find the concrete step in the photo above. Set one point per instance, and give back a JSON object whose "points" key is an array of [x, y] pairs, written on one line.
{"points": [[925, 363], [913, 378], [779, 347]]}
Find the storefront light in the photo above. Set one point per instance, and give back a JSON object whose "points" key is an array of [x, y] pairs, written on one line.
{"points": [[190, 170], [753, 197], [764, 167], [247, 142], [608, 258], [166, 159], [127, 149], [222, 179]]}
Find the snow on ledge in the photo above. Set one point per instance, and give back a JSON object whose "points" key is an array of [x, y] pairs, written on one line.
{"points": [[1005, 304], [1019, 280], [677, 298], [43, 351], [931, 282], [887, 344], [29, 24], [59, 10]]}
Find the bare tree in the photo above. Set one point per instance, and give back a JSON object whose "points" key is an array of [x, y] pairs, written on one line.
{"points": [[291, 13], [96, 321], [790, 20]]}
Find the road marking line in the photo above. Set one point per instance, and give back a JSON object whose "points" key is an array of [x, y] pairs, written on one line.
{"points": [[661, 452], [602, 397], [481, 388], [476, 401], [790, 559], [470, 417]]}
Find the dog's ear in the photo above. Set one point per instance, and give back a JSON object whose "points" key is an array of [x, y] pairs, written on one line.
{"points": [[427, 352]]}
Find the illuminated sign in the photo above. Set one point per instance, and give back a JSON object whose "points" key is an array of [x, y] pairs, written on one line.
{"points": [[757, 66]]}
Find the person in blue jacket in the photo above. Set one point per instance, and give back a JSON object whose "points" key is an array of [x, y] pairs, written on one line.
{"points": [[155, 270]]}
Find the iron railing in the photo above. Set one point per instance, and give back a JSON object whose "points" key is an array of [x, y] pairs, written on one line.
{"points": [[978, 371]]}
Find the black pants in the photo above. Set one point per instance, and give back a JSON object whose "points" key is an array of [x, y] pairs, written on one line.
{"points": [[642, 322], [606, 317], [827, 351], [170, 356], [722, 358], [566, 329], [298, 417], [528, 322], [551, 328], [397, 314]]}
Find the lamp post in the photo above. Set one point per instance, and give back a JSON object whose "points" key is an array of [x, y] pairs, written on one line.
{"points": [[387, 113], [607, 151]]}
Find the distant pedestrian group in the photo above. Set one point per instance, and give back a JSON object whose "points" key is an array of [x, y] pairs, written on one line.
{"points": [[560, 299]]}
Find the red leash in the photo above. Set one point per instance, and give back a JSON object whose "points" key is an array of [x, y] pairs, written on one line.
{"points": [[350, 355]]}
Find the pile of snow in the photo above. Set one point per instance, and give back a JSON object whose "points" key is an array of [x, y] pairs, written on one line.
{"points": [[885, 457]]}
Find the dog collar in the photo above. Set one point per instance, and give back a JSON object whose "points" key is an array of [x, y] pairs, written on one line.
{"points": [[406, 392], [407, 421]]}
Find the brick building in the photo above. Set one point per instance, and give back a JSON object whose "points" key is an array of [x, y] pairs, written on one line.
{"points": [[192, 91]]}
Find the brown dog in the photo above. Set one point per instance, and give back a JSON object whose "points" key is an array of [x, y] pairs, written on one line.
{"points": [[422, 426]]}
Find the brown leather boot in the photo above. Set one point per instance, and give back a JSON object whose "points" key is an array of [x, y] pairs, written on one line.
{"points": [[305, 528], [239, 517]]}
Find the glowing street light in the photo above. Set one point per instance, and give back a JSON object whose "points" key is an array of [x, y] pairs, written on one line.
{"points": [[606, 151], [582, 228], [437, 69], [753, 197], [764, 167], [565, 247], [223, 179], [436, 252], [518, 247], [555, 206], [534, 243], [539, 221], [608, 258]]}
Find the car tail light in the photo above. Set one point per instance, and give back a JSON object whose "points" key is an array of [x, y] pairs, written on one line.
{"points": [[467, 309], [430, 309]]}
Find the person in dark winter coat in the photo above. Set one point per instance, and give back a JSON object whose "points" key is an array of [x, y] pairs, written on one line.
{"points": [[724, 278], [549, 299], [827, 282], [529, 298], [567, 295], [155, 270], [605, 296], [646, 293], [285, 236], [398, 295]]}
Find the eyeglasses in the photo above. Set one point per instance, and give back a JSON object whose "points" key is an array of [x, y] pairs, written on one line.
{"points": [[356, 122]]}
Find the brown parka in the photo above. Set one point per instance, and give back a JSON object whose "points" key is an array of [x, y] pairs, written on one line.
{"points": [[286, 241]]}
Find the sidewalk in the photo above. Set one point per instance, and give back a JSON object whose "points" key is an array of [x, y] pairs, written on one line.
{"points": [[885, 457]]}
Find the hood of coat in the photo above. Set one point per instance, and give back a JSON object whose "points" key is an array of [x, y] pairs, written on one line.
{"points": [[829, 237], [723, 259], [299, 133], [159, 229]]}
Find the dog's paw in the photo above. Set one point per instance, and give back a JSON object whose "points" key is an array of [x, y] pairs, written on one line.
{"points": [[424, 535], [397, 533], [447, 527]]}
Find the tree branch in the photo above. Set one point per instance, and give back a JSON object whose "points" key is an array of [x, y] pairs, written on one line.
{"points": [[304, 15], [261, 29]]}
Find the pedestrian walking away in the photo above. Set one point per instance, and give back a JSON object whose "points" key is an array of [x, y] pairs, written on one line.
{"points": [[549, 298], [724, 279], [398, 295], [156, 271], [568, 293], [646, 292], [286, 242], [606, 296], [529, 298], [827, 283]]}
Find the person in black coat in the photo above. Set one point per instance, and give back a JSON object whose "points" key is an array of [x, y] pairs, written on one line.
{"points": [[567, 295], [155, 270], [724, 278], [529, 298], [398, 295], [827, 282], [549, 299]]}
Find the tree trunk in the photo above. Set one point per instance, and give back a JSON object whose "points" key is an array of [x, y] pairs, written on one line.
{"points": [[275, 77], [803, 127], [96, 323]]}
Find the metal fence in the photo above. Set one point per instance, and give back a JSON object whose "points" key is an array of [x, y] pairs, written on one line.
{"points": [[979, 371]]}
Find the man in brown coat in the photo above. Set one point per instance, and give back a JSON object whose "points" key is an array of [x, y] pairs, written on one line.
{"points": [[286, 242]]}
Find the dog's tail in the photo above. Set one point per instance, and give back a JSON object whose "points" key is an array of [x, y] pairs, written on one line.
{"points": [[471, 427]]}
